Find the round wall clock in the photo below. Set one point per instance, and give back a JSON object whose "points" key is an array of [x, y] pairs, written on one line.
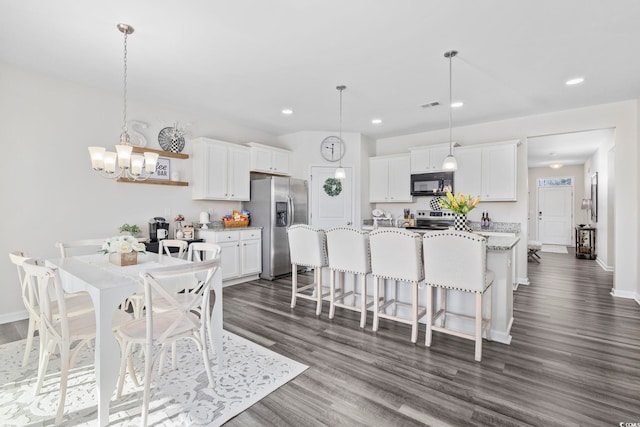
{"points": [[332, 148], [171, 139]]}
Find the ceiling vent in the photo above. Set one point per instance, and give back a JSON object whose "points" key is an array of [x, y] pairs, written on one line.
{"points": [[430, 104]]}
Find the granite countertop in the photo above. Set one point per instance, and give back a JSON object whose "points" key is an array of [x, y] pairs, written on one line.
{"points": [[217, 228], [502, 243], [496, 227]]}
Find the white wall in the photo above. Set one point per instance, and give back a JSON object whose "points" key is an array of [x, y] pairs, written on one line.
{"points": [[623, 116], [49, 191]]}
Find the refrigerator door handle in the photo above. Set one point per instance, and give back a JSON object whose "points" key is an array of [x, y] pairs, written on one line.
{"points": [[290, 209]]}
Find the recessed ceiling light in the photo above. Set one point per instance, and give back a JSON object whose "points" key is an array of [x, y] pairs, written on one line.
{"points": [[457, 104], [556, 165], [287, 111], [376, 121], [575, 81]]}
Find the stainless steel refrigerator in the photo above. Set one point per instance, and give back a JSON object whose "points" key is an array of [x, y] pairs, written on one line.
{"points": [[276, 203]]}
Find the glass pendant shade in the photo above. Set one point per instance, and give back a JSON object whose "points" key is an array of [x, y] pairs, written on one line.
{"points": [[340, 173], [450, 163]]}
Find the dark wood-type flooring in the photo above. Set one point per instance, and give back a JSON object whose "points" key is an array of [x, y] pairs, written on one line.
{"points": [[574, 359]]}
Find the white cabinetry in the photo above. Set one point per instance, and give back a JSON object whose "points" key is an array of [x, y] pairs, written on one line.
{"points": [[268, 159], [428, 159], [488, 171], [220, 170], [241, 256], [390, 179]]}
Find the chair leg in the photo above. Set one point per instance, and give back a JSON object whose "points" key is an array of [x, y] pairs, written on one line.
{"points": [[44, 363], [427, 338], [376, 303], [363, 298], [414, 312], [478, 327], [124, 358], [294, 284], [148, 368], [205, 355], [394, 309], [31, 330], [64, 375], [332, 293], [318, 274], [443, 306]]}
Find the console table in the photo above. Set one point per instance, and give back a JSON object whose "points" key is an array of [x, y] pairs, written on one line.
{"points": [[586, 242]]}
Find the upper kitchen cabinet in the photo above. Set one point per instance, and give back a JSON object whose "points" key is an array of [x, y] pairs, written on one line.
{"points": [[390, 179], [220, 170], [267, 159], [488, 171], [428, 159]]}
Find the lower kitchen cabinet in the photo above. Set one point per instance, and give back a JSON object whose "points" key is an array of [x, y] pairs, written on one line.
{"points": [[241, 256]]}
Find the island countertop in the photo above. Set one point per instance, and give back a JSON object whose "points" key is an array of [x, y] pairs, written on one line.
{"points": [[501, 243]]}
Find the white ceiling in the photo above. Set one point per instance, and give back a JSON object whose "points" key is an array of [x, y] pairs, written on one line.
{"points": [[246, 60], [567, 148]]}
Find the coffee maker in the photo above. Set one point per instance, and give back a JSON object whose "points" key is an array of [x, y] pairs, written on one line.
{"points": [[158, 229]]}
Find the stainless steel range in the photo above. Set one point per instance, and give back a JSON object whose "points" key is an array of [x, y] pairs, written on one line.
{"points": [[433, 220]]}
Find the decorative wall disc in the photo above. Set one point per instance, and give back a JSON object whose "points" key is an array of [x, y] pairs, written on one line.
{"points": [[171, 139]]}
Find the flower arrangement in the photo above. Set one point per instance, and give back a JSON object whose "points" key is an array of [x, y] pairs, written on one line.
{"points": [[459, 204], [122, 245], [178, 218]]}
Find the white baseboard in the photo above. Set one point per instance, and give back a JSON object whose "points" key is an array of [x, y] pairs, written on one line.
{"points": [[523, 281], [625, 294], [12, 317], [603, 265]]}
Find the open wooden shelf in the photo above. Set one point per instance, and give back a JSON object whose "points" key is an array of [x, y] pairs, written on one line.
{"points": [[156, 182], [160, 152]]}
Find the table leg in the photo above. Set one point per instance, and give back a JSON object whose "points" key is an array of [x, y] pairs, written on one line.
{"points": [[215, 325]]}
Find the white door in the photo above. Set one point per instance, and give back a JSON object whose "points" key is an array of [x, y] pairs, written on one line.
{"points": [[329, 209], [555, 215]]}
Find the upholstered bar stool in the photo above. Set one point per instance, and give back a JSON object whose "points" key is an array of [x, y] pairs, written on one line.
{"points": [[348, 250], [396, 254], [457, 261], [307, 248]]}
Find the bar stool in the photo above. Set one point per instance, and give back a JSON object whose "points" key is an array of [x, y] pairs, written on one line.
{"points": [[348, 250], [457, 261], [396, 254], [533, 247], [307, 248]]}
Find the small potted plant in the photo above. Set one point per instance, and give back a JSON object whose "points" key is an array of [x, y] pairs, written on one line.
{"points": [[131, 230]]}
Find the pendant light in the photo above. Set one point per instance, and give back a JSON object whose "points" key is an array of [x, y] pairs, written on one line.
{"points": [[122, 163], [450, 163], [340, 172]]}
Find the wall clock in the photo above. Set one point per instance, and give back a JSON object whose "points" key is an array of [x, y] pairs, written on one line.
{"points": [[171, 139], [332, 148]]}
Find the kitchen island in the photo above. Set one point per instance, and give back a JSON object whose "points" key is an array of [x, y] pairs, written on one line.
{"points": [[499, 260]]}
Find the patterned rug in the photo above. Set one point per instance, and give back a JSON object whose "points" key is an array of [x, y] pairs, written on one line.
{"points": [[556, 249], [178, 398]]}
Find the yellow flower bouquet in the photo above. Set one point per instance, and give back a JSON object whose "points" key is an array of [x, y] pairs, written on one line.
{"points": [[459, 204]]}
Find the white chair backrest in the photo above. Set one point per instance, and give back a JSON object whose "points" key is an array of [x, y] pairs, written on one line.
{"points": [[29, 293], [396, 254], [79, 247], [348, 250], [307, 246], [50, 291], [155, 285], [455, 259], [165, 245], [202, 251]]}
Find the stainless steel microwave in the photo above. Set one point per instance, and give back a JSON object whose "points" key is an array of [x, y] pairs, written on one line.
{"points": [[431, 184]]}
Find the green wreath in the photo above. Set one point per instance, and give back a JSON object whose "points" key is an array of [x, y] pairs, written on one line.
{"points": [[333, 187]]}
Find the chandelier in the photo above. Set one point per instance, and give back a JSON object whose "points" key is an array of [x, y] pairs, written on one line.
{"points": [[450, 163], [122, 163]]}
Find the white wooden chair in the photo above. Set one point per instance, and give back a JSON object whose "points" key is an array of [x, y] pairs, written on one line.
{"points": [[76, 304], [457, 261], [348, 251], [168, 326], [68, 333], [165, 246], [307, 248], [77, 247], [201, 251], [396, 255]]}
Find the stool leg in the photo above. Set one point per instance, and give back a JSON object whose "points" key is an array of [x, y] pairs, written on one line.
{"points": [[414, 312], [318, 274], [376, 302], [427, 338], [332, 293], [478, 327], [443, 306], [363, 298], [294, 284]]}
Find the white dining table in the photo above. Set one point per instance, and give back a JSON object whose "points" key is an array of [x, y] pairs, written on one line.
{"points": [[109, 285]]}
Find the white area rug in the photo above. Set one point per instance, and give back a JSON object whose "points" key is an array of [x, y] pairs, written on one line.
{"points": [[179, 398], [556, 249]]}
